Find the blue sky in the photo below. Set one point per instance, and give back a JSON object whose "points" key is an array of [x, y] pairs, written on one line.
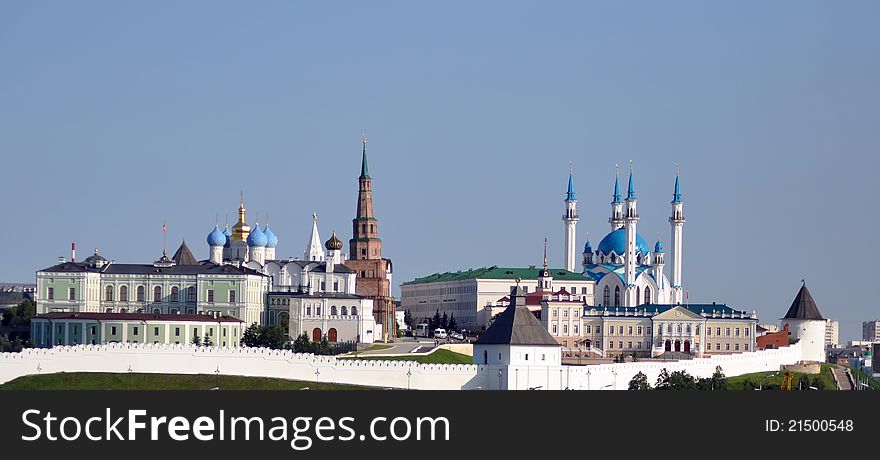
{"points": [[115, 116]]}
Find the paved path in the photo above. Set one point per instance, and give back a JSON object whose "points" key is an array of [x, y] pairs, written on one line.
{"points": [[399, 349], [840, 375]]}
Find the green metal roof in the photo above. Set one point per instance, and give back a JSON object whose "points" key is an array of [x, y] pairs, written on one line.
{"points": [[496, 272]]}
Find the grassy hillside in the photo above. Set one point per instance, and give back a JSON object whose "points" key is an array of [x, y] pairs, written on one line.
{"points": [[774, 379], [109, 381]]}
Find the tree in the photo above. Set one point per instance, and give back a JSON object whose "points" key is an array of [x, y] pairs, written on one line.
{"points": [[639, 382], [207, 341], [453, 325], [435, 321], [301, 344], [274, 337], [324, 346], [678, 380], [251, 336], [408, 319], [20, 315], [444, 321], [719, 381], [197, 341]]}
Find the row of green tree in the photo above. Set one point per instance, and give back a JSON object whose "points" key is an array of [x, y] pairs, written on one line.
{"points": [[442, 321], [680, 380], [18, 319], [276, 338]]}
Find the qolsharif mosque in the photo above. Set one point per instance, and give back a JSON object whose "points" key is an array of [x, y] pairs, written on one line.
{"points": [[626, 271]]}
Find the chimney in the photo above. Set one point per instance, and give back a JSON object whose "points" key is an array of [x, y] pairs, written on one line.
{"points": [[73, 252]]}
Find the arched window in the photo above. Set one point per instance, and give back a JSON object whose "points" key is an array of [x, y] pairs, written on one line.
{"points": [[175, 294], [331, 335], [284, 319], [617, 296], [123, 310], [647, 294], [156, 311], [109, 310], [606, 296], [173, 311], [191, 294], [344, 311], [333, 310], [190, 311], [108, 293], [371, 228], [485, 357], [316, 334], [140, 310], [157, 294], [354, 310], [123, 293], [638, 293], [140, 294]]}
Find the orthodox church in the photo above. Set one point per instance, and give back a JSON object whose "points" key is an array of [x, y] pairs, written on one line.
{"points": [[626, 271]]}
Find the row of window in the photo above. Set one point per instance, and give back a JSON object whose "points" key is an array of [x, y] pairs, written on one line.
{"points": [[135, 330], [333, 311], [140, 294], [606, 295]]}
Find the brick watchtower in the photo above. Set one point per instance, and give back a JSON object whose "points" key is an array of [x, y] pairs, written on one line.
{"points": [[365, 256]]}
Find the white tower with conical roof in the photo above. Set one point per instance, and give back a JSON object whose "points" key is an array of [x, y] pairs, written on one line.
{"points": [[630, 222], [314, 251]]}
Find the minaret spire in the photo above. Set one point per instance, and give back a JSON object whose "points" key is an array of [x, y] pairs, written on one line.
{"points": [[676, 221], [616, 219], [569, 221], [630, 223], [545, 253], [365, 170]]}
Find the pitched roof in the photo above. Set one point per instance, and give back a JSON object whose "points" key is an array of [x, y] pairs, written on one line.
{"points": [[516, 326], [184, 256], [803, 306], [496, 272], [144, 269]]}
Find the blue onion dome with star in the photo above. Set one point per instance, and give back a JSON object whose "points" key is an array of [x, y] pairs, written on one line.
{"points": [[616, 242]]}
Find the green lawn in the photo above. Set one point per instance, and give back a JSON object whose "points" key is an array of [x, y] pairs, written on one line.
{"points": [[440, 356], [775, 379], [110, 381], [875, 385]]}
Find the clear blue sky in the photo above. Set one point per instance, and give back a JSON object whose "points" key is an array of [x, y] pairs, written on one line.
{"points": [[115, 116]]}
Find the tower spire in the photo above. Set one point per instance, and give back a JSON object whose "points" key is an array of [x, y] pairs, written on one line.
{"points": [[615, 198], [545, 254], [631, 190], [570, 195], [676, 194], [365, 170]]}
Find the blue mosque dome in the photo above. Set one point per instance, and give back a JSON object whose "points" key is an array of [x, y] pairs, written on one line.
{"points": [[616, 242], [658, 248], [257, 238], [588, 247], [216, 237], [228, 233], [271, 239]]}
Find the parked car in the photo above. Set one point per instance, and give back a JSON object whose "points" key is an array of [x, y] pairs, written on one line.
{"points": [[457, 336], [440, 333]]}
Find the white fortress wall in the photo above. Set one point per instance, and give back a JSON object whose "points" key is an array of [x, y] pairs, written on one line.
{"points": [[261, 362]]}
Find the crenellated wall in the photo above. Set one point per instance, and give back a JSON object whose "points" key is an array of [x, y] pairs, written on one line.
{"points": [[262, 362]]}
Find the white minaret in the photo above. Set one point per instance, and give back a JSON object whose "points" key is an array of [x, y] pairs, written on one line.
{"points": [[616, 219], [570, 220], [630, 222], [676, 220], [313, 250], [658, 263]]}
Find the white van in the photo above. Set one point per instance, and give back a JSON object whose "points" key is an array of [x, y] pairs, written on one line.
{"points": [[440, 333]]}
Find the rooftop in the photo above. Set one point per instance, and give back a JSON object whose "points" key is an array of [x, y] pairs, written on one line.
{"points": [[208, 268], [516, 326], [496, 272], [704, 309], [803, 306]]}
